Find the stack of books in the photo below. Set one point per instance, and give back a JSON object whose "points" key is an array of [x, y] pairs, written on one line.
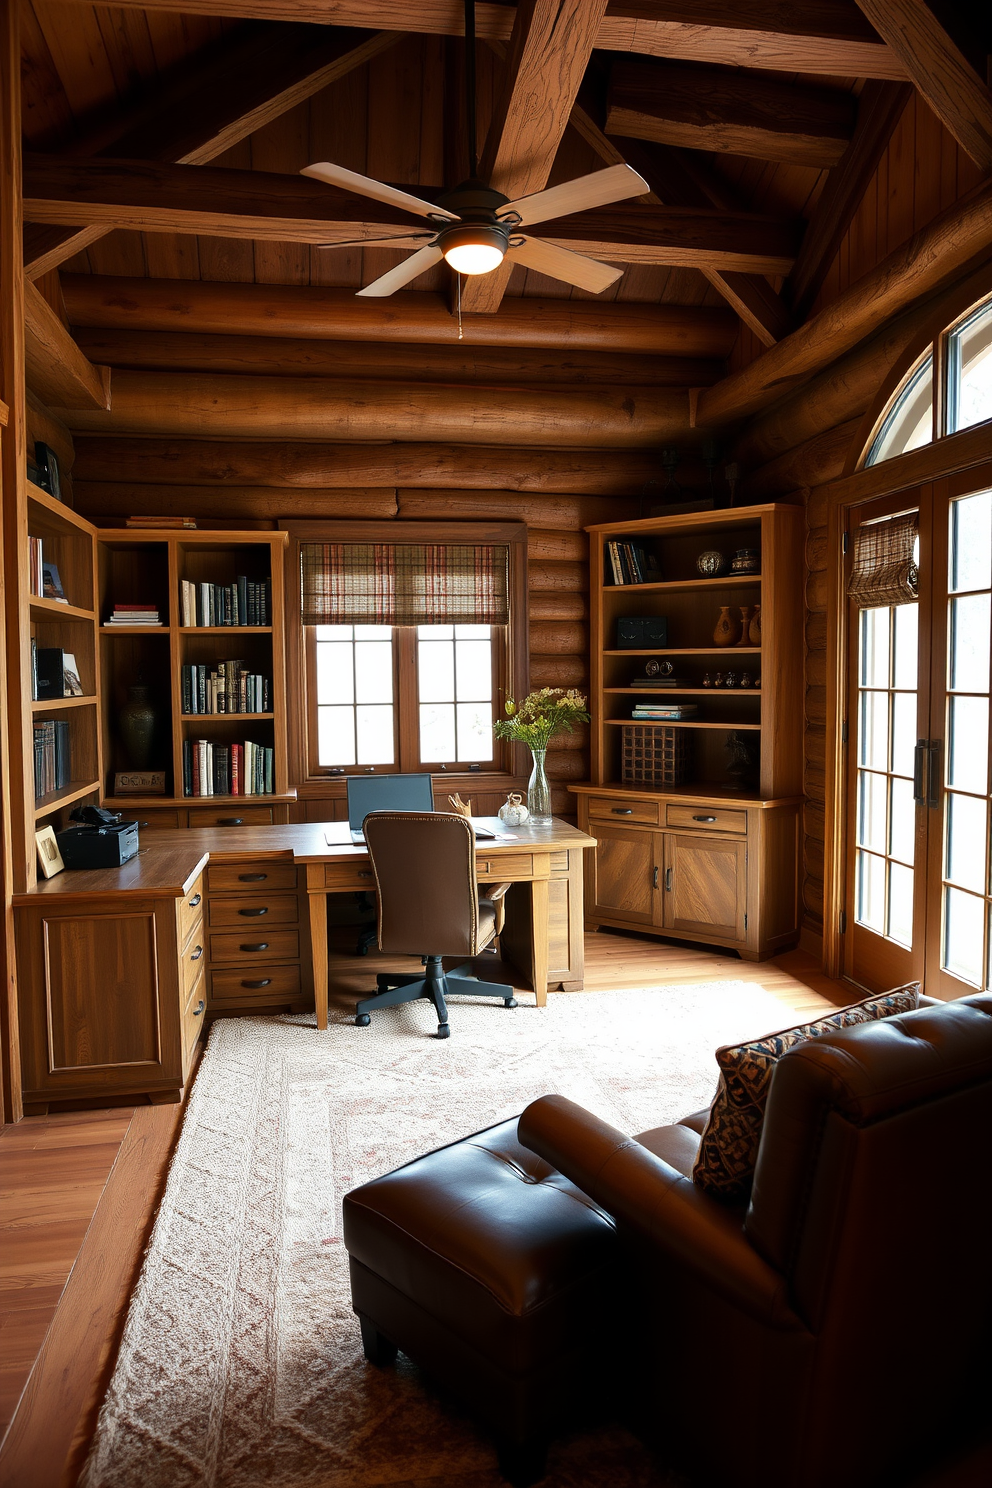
{"points": [[631, 563], [663, 712], [245, 602], [135, 614], [227, 769], [172, 522], [52, 763], [656, 682], [226, 687]]}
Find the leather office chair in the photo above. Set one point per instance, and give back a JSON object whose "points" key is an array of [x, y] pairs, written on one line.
{"points": [[430, 905], [835, 1329]]}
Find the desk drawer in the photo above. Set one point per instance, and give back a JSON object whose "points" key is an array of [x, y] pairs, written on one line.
{"points": [[623, 809], [191, 911], [507, 866], [192, 1025], [355, 875], [259, 984], [250, 877], [254, 912], [154, 820], [256, 944], [707, 819], [229, 816], [193, 961]]}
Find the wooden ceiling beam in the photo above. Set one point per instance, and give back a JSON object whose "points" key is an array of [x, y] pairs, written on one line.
{"points": [[943, 74], [411, 317], [550, 46], [723, 109], [57, 371], [823, 36], [209, 106], [149, 197], [880, 108]]}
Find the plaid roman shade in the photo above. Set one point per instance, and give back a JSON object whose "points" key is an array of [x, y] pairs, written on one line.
{"points": [[884, 570], [403, 584]]}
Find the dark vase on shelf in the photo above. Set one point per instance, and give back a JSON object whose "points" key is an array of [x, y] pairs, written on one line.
{"points": [[137, 722], [728, 629]]}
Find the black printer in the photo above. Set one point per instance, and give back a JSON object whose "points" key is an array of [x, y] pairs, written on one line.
{"points": [[101, 840]]}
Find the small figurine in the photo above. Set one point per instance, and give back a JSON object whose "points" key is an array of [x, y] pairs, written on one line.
{"points": [[513, 813], [745, 679], [707, 680], [730, 680], [757, 683], [718, 680]]}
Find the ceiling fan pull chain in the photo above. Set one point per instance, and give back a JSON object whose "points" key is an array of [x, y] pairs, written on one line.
{"points": [[458, 281]]}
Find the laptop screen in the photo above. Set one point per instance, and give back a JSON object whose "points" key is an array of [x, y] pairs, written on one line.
{"points": [[387, 793]]}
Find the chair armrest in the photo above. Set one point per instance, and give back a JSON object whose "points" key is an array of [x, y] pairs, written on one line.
{"points": [[493, 891], [659, 1205]]}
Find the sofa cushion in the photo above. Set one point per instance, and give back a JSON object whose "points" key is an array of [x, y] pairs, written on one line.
{"points": [[728, 1150]]}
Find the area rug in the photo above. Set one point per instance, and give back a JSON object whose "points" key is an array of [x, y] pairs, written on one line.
{"points": [[241, 1361]]}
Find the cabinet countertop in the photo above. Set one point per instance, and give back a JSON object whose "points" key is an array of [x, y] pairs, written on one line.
{"points": [[159, 871]]}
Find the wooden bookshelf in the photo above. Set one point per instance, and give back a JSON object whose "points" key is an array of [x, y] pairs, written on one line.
{"points": [[147, 566]]}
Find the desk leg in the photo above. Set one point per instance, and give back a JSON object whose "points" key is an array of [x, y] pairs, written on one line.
{"points": [[539, 901], [317, 899]]}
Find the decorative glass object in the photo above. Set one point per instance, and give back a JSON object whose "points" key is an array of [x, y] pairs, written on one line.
{"points": [[538, 791], [728, 630], [711, 564]]}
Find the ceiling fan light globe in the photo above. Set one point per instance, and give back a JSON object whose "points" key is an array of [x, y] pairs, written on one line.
{"points": [[473, 249]]}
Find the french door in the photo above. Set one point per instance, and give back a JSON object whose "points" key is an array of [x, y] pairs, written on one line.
{"points": [[918, 869]]}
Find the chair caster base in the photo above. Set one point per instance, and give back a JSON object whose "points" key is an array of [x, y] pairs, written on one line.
{"points": [[522, 1465], [443, 1031], [362, 1020], [510, 1002], [377, 1348]]}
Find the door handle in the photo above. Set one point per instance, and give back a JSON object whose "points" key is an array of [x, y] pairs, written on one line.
{"points": [[933, 772], [704, 818], [623, 810], [262, 945], [195, 955], [194, 901], [668, 880], [249, 913], [919, 759], [654, 883], [199, 1008]]}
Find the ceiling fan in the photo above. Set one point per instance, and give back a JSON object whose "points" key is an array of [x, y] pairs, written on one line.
{"points": [[474, 228]]}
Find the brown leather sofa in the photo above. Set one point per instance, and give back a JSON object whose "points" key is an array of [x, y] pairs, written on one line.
{"points": [[834, 1332]]}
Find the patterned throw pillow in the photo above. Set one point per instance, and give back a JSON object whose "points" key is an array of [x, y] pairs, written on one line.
{"points": [[728, 1151]]}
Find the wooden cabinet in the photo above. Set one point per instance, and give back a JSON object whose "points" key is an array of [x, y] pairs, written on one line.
{"points": [[704, 887], [258, 946], [111, 993], [625, 876]]}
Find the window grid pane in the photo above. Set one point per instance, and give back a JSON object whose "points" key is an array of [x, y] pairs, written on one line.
{"points": [[354, 677], [455, 693]]}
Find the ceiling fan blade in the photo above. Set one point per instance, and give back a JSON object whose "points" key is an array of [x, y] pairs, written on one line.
{"points": [[561, 263], [336, 175], [401, 240], [595, 190], [411, 268]]}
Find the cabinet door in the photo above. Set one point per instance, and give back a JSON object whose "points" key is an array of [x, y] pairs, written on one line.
{"points": [[705, 891], [626, 873]]}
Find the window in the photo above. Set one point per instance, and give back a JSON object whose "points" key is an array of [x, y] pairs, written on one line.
{"points": [[914, 415]]}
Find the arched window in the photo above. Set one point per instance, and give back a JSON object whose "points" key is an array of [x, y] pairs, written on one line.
{"points": [[948, 389]]}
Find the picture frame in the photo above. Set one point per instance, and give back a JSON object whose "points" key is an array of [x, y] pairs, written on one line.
{"points": [[72, 686], [52, 583], [47, 463], [49, 858]]}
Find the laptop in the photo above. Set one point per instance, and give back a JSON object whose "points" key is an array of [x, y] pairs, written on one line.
{"points": [[391, 793]]}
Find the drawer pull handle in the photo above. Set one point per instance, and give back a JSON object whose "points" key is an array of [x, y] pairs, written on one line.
{"points": [[365, 873], [704, 818], [230, 821], [194, 901], [654, 883], [262, 982], [195, 955], [623, 810], [199, 1008], [252, 877], [248, 913], [262, 945], [668, 880]]}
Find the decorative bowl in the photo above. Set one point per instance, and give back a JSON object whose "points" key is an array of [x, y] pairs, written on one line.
{"points": [[711, 564], [746, 561]]}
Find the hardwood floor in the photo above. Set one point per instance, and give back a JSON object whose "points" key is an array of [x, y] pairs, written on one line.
{"points": [[79, 1191]]}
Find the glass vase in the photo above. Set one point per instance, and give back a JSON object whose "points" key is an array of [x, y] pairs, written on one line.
{"points": [[538, 792]]}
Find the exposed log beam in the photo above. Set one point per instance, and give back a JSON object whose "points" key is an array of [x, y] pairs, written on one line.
{"points": [[211, 106], [412, 318], [820, 36], [213, 406], [56, 368], [911, 272], [280, 208], [165, 351], [812, 463], [287, 465], [880, 107], [944, 76], [710, 108], [550, 46]]}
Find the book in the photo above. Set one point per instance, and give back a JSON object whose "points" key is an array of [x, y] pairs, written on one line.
{"points": [[51, 587]]}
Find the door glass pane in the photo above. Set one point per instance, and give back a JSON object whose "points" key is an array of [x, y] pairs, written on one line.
{"points": [[871, 891], [875, 626], [966, 817], [903, 732], [971, 542], [901, 905], [875, 730], [968, 639], [968, 744], [964, 917], [902, 816], [906, 645], [871, 810], [969, 371]]}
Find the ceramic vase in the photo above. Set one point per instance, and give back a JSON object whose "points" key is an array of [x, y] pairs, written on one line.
{"points": [[728, 630], [745, 612], [513, 813], [136, 722], [539, 792], [754, 629]]}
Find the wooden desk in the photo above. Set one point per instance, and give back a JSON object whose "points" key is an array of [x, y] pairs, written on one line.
{"points": [[530, 858]]}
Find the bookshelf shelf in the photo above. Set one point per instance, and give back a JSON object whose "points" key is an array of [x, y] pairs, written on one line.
{"points": [[228, 630], [74, 791], [134, 630], [694, 723], [708, 692], [46, 705], [692, 651], [55, 513], [683, 586], [209, 719], [53, 609]]}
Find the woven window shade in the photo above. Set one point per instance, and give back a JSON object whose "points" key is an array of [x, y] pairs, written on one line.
{"points": [[884, 571], [403, 584]]}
